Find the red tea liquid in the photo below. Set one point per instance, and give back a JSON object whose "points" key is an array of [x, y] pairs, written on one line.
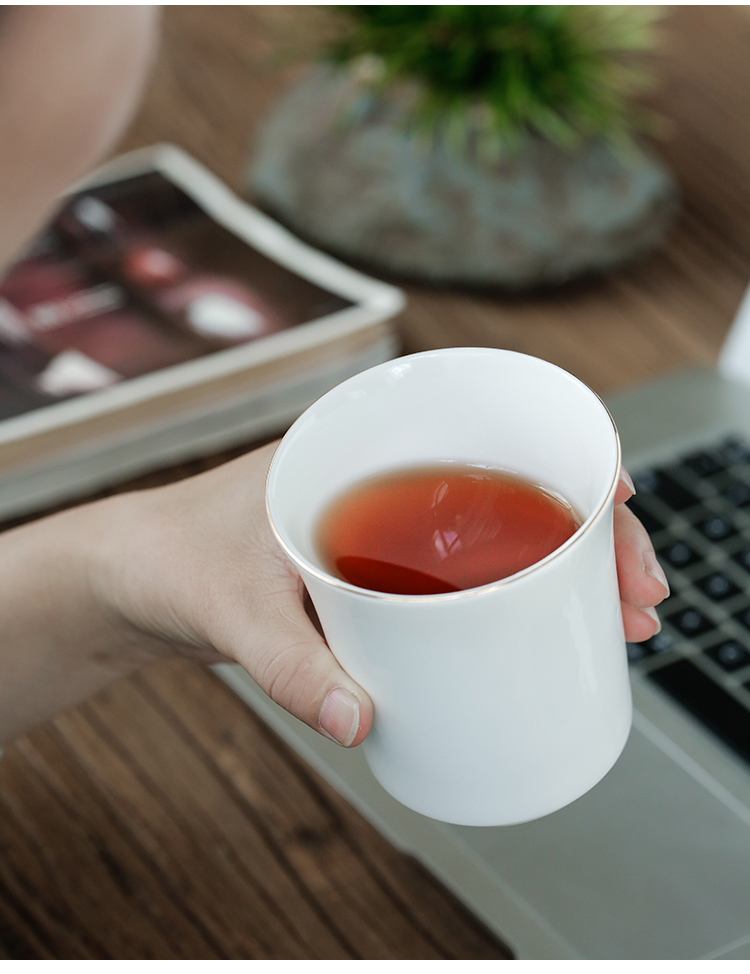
{"points": [[442, 528]]}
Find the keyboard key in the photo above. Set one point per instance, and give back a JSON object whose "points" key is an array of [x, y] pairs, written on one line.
{"points": [[736, 451], [737, 493], [703, 464], [717, 586], [679, 554], [692, 622], [743, 558], [743, 617], [707, 701], [662, 642], [730, 655], [716, 528], [646, 481], [637, 652], [650, 523], [666, 488]]}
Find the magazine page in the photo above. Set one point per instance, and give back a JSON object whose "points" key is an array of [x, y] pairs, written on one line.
{"points": [[133, 277]]}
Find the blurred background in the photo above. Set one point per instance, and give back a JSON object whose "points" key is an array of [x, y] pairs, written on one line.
{"points": [[221, 72]]}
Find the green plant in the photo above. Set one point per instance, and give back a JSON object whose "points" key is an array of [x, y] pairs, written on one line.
{"points": [[484, 76]]}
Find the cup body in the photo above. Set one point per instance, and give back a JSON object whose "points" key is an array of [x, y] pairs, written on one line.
{"points": [[494, 705]]}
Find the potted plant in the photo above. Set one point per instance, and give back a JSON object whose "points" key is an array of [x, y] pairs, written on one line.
{"points": [[488, 145]]}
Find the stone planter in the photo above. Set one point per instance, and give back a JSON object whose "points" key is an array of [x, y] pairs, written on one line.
{"points": [[336, 164]]}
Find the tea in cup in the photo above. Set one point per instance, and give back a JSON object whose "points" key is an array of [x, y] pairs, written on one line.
{"points": [[450, 513]]}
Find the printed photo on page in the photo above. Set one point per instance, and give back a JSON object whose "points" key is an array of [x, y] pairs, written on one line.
{"points": [[132, 277]]}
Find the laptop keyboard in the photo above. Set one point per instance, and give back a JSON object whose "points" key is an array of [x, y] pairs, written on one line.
{"points": [[697, 511]]}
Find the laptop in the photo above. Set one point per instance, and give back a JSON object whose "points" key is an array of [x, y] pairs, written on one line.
{"points": [[654, 862]]}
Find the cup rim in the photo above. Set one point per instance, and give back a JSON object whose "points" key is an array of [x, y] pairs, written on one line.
{"points": [[335, 582]]}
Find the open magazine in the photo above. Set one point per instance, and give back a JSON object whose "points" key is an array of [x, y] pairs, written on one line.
{"points": [[158, 317]]}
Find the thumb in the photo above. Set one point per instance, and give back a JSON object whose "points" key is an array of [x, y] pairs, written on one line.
{"points": [[291, 662]]}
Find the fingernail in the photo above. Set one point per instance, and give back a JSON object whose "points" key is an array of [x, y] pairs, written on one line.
{"points": [[652, 567], [652, 614], [626, 479], [339, 716]]}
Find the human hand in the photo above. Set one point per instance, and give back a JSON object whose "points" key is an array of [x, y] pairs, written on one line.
{"points": [[643, 583], [195, 566]]}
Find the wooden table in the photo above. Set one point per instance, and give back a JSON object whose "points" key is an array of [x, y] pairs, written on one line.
{"points": [[163, 819]]}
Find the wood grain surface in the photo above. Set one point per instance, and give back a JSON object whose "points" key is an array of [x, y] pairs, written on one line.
{"points": [[162, 819]]}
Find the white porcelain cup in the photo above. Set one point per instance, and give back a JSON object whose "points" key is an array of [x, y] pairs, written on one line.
{"points": [[493, 705]]}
